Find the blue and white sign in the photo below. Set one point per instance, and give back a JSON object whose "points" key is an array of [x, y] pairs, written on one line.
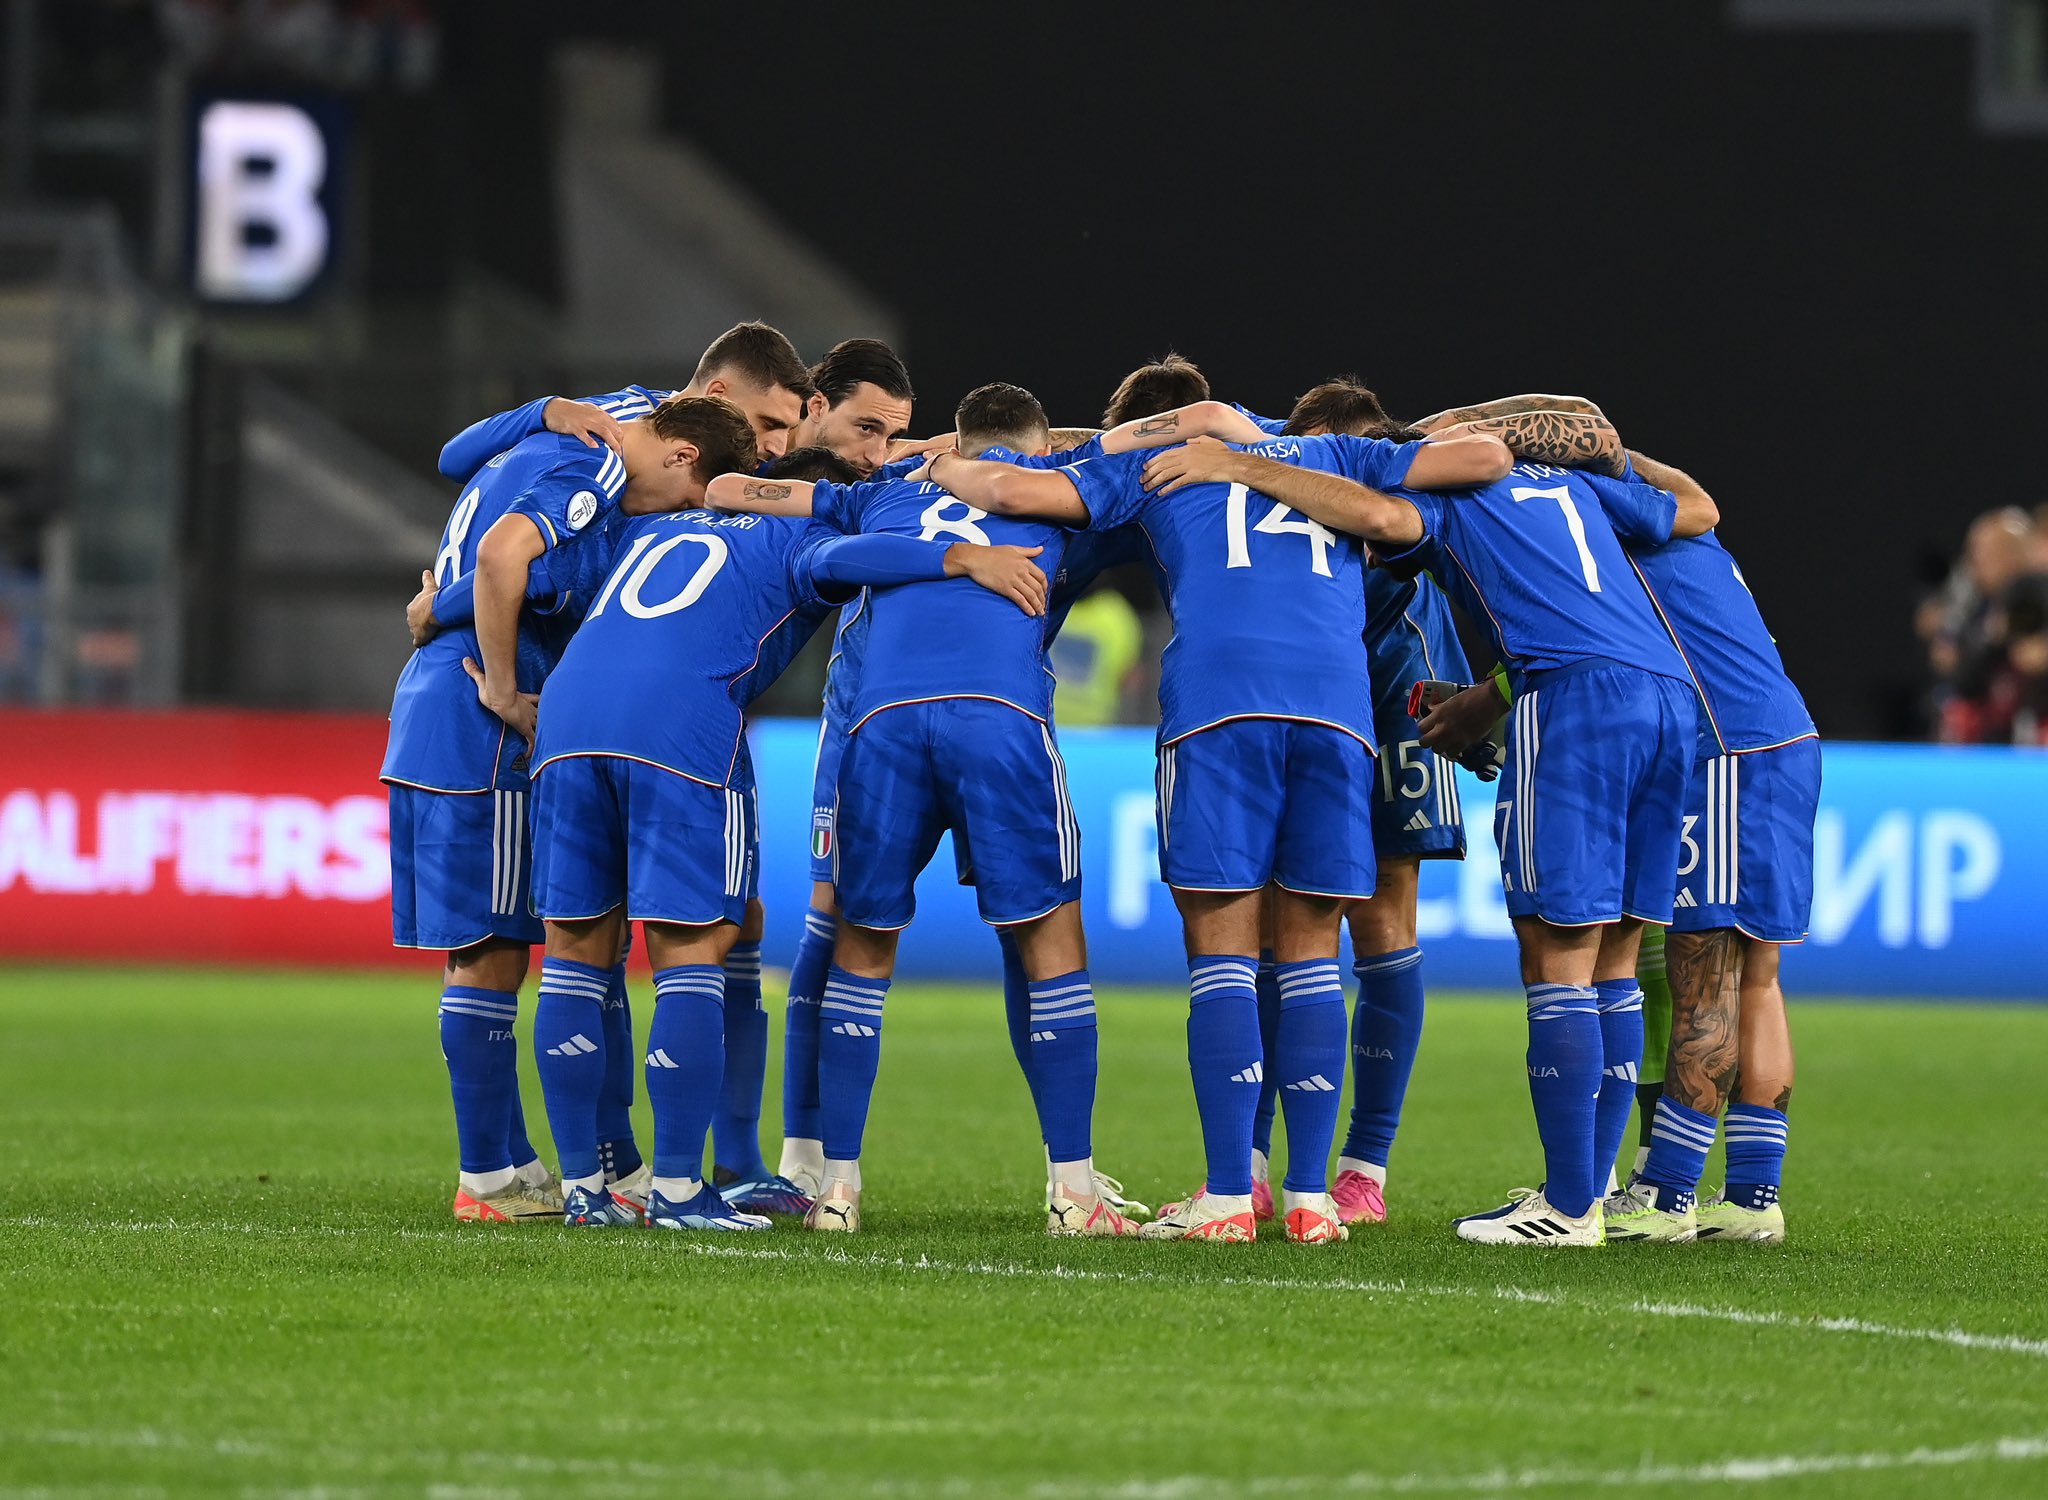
{"points": [[1931, 868]]}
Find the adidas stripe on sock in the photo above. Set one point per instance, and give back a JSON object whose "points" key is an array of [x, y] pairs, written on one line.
{"points": [[1308, 1062], [800, 1025], [1227, 1064], [849, 1056], [1062, 1042], [1680, 1139], [1756, 1136], [685, 1061], [1564, 1060], [483, 1073], [1621, 1052], [571, 1047]]}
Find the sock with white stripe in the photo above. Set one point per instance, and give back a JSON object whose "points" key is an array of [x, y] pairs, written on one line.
{"points": [[800, 1027], [685, 1060], [1308, 1061], [736, 1125], [1386, 1033], [1564, 1085], [617, 1151], [1226, 1062], [1017, 1012], [1756, 1154], [849, 1056], [1063, 1062], [1679, 1143], [1621, 1055], [571, 1052], [483, 1075], [1269, 1035]]}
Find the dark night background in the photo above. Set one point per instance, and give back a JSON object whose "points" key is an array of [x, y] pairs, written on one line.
{"points": [[1788, 260]]}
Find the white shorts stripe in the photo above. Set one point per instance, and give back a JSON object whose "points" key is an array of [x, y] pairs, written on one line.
{"points": [[1069, 828]]}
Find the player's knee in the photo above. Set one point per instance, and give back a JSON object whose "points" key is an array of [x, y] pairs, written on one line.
{"points": [[824, 898], [493, 964], [755, 924], [869, 952]]}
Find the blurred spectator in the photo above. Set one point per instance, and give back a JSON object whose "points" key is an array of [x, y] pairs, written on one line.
{"points": [[1986, 632], [1095, 659]]}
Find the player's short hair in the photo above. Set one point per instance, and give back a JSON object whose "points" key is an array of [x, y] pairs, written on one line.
{"points": [[1000, 416], [813, 464], [855, 362], [1345, 405], [759, 355], [723, 436], [1168, 382]]}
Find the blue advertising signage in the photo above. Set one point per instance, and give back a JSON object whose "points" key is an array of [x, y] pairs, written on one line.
{"points": [[1931, 865]]}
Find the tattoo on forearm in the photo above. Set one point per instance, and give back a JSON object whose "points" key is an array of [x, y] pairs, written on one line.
{"points": [[1567, 439], [1064, 438], [1155, 426], [1508, 406], [1706, 1010], [763, 489]]}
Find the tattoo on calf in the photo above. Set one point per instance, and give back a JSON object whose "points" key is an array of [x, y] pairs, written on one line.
{"points": [[1706, 1009]]}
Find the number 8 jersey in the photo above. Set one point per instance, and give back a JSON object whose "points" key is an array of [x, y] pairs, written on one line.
{"points": [[1268, 607]]}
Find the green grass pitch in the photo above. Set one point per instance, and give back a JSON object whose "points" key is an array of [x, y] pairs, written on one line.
{"points": [[229, 1267]]}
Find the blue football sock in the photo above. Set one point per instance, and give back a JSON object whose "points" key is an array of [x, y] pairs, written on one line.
{"points": [[736, 1126], [617, 1150], [685, 1060], [1017, 1005], [483, 1072], [1680, 1138], [572, 1052], [1386, 1033], [1621, 1051], [1756, 1154], [1062, 1040], [800, 1025], [849, 1056], [1564, 1085], [1269, 1032], [518, 1145], [1308, 1060], [1226, 1062]]}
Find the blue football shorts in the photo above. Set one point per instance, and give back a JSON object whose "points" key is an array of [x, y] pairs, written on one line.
{"points": [[1415, 808], [461, 868], [825, 802], [1592, 798], [609, 831], [1250, 801], [1746, 852], [987, 771]]}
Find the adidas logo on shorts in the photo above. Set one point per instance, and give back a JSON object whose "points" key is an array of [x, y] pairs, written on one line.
{"points": [[1419, 823], [1686, 899]]}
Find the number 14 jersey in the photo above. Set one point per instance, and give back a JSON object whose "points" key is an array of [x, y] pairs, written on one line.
{"points": [[1268, 607]]}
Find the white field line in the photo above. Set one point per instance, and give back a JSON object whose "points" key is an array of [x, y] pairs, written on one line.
{"points": [[2001, 1343], [506, 1468]]}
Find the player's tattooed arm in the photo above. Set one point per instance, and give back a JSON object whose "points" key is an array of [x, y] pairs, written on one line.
{"points": [[1214, 419], [1334, 501], [1697, 512], [767, 497], [1706, 1006], [1508, 406], [1570, 440], [1065, 439]]}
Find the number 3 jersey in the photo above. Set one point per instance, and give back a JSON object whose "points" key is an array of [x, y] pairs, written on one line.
{"points": [[442, 738], [1269, 608], [954, 639], [673, 646]]}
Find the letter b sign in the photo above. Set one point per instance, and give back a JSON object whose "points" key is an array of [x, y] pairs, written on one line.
{"points": [[262, 232]]}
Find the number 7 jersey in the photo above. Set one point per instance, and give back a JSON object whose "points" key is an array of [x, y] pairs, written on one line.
{"points": [[1268, 607]]}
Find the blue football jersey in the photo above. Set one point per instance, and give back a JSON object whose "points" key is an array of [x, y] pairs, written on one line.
{"points": [[470, 449], [1747, 701], [1535, 560], [1268, 607], [442, 739], [671, 650], [954, 639]]}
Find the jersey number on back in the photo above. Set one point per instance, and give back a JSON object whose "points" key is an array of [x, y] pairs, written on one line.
{"points": [[631, 576], [1275, 523], [962, 525], [448, 564], [1573, 522]]}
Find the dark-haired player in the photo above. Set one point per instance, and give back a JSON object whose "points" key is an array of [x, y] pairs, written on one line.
{"points": [[460, 839], [1265, 778], [1597, 760], [644, 797], [951, 728]]}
